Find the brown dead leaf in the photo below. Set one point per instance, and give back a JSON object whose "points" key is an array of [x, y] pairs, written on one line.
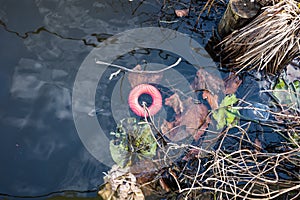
{"points": [[137, 78], [195, 118], [213, 87], [144, 170], [258, 144], [173, 130], [232, 83], [192, 120], [182, 13], [175, 102], [208, 81], [192, 154], [211, 99]]}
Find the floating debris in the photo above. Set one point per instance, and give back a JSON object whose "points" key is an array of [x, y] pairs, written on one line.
{"points": [[182, 13], [120, 184], [191, 119]]}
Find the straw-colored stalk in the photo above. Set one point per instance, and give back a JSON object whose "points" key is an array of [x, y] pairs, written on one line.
{"points": [[267, 43], [243, 173]]}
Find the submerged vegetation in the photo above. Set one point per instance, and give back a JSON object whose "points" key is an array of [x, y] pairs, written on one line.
{"points": [[132, 141]]}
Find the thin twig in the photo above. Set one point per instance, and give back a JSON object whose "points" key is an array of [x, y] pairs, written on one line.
{"points": [[139, 71]]}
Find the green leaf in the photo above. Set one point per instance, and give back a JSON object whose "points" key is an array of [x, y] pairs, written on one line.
{"points": [[219, 116], [229, 100], [147, 140], [119, 154], [280, 85], [226, 115], [287, 94]]}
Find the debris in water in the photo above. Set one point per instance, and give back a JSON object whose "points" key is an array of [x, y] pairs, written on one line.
{"points": [[120, 184], [191, 119], [182, 13], [140, 78]]}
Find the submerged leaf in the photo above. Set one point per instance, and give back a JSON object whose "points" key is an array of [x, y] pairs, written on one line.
{"points": [[191, 119], [205, 81], [213, 87], [211, 99], [232, 83], [138, 78], [119, 153], [175, 102]]}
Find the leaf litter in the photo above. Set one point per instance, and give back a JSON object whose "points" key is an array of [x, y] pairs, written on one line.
{"points": [[191, 120]]}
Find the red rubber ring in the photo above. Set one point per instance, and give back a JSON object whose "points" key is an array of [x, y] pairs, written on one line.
{"points": [[136, 92]]}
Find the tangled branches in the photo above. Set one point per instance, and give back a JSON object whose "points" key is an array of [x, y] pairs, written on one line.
{"points": [[242, 173], [239, 167]]}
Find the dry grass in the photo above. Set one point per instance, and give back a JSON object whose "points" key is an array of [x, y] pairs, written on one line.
{"points": [[246, 171], [207, 7], [242, 174], [268, 42]]}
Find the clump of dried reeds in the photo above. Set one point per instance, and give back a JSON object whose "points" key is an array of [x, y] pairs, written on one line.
{"points": [[267, 2], [267, 43]]}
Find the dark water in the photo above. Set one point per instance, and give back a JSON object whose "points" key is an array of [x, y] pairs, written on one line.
{"points": [[42, 44]]}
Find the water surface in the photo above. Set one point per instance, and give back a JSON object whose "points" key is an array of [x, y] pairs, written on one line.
{"points": [[43, 43]]}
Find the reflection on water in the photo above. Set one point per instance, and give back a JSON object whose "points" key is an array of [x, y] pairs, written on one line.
{"points": [[43, 43]]}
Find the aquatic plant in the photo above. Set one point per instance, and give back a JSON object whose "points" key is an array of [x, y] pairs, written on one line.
{"points": [[242, 168], [287, 94], [132, 141]]}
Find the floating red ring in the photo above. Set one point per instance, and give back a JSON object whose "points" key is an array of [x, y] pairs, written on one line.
{"points": [[136, 92]]}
